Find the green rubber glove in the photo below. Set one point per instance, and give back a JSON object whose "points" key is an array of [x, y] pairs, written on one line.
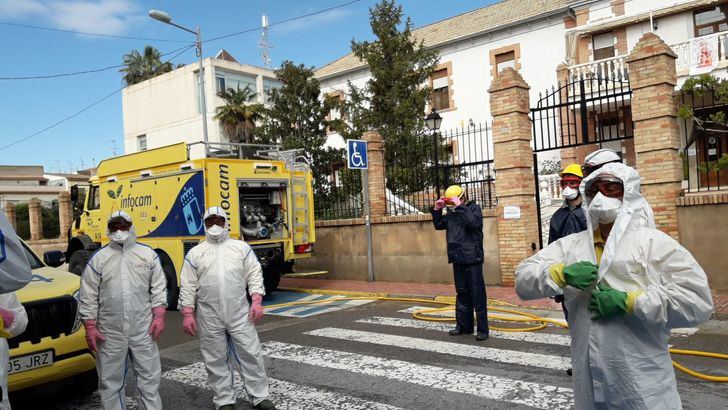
{"points": [[607, 302], [580, 274]]}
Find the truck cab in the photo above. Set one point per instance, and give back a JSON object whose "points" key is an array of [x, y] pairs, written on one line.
{"points": [[266, 192]]}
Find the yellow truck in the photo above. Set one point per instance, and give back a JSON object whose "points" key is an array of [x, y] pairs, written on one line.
{"points": [[266, 192]]}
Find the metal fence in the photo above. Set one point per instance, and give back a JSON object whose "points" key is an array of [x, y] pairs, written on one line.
{"points": [[705, 141], [416, 177], [342, 199]]}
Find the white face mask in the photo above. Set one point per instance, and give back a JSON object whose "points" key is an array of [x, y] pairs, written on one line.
{"points": [[604, 209], [570, 193], [215, 231], [119, 236]]}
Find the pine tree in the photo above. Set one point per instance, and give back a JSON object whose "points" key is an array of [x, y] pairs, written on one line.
{"points": [[297, 119], [394, 99]]}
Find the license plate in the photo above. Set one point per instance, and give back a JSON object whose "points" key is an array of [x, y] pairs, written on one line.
{"points": [[28, 362]]}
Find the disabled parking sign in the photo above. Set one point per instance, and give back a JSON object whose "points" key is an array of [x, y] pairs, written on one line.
{"points": [[356, 152]]}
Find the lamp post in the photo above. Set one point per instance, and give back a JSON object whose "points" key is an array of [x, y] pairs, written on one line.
{"points": [[167, 19], [433, 121]]}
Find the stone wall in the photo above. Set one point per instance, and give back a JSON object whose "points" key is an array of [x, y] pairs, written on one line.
{"points": [[703, 225], [405, 249]]}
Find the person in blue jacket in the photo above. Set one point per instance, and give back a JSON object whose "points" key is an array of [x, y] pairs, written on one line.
{"points": [[570, 217], [463, 223]]}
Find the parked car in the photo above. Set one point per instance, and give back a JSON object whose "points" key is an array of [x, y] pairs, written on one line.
{"points": [[53, 347]]}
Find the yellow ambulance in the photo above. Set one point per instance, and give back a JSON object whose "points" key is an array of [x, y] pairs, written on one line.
{"points": [[266, 192]]}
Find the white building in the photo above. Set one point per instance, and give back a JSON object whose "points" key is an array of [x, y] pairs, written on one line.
{"points": [[21, 183], [592, 37], [166, 109]]}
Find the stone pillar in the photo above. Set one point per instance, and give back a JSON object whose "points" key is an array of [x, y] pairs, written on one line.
{"points": [[65, 213], [656, 134], [514, 181], [377, 187], [10, 212], [36, 222]]}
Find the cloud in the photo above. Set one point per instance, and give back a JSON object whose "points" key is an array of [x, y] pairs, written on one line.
{"points": [[312, 21], [94, 16]]}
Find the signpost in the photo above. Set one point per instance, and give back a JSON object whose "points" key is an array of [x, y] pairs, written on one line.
{"points": [[356, 154]]}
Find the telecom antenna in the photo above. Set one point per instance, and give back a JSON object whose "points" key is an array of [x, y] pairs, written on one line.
{"points": [[264, 44]]}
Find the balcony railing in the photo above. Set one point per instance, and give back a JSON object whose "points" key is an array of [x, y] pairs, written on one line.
{"points": [[614, 68], [683, 53]]}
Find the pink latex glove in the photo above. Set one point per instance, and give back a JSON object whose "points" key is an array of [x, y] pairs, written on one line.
{"points": [[256, 309], [157, 322], [189, 324], [93, 336], [439, 204], [456, 201], [8, 317]]}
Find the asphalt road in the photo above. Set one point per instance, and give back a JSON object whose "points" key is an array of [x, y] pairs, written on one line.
{"points": [[375, 356]]}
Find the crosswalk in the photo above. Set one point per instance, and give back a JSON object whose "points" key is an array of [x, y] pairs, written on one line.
{"points": [[306, 310], [490, 376]]}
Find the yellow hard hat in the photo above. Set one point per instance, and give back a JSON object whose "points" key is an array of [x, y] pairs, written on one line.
{"points": [[573, 169], [454, 191]]}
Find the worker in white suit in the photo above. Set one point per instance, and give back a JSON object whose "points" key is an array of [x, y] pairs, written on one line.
{"points": [[123, 302], [213, 300], [625, 286]]}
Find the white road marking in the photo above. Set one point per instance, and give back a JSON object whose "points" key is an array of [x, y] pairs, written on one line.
{"points": [[314, 308], [544, 338], [481, 385], [285, 395], [684, 331], [456, 349]]}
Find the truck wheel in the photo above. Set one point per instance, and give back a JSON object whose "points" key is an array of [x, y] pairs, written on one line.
{"points": [[171, 275], [78, 261], [271, 279]]}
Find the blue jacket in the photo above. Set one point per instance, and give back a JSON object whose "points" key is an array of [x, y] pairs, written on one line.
{"points": [[566, 221], [464, 231]]}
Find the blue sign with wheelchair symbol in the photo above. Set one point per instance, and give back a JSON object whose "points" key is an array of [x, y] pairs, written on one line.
{"points": [[356, 152]]}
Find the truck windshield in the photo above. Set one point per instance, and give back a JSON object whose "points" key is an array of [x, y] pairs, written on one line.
{"points": [[35, 263]]}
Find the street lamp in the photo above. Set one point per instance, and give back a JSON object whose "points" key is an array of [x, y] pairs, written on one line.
{"points": [[167, 19], [433, 121]]}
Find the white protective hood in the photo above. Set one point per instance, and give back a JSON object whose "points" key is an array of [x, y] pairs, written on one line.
{"points": [[219, 211]]}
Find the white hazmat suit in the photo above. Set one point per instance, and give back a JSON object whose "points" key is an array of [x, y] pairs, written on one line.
{"points": [[119, 287], [215, 275], [622, 362], [10, 302]]}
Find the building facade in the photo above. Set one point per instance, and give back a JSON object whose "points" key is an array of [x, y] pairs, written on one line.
{"points": [[21, 183], [166, 109]]}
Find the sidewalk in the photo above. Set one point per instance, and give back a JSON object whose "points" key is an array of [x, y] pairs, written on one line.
{"points": [[433, 290]]}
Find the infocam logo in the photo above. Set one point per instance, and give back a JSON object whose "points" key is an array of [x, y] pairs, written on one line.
{"points": [[135, 201]]}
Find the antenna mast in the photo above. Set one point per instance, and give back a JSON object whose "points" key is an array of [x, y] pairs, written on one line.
{"points": [[264, 44]]}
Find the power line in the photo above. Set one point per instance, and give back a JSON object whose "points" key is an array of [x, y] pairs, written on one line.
{"points": [[250, 30], [86, 108], [85, 33], [96, 70]]}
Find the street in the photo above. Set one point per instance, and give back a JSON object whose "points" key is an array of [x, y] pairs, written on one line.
{"points": [[361, 355]]}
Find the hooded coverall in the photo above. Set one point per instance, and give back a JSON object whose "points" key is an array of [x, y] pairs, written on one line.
{"points": [[464, 231], [119, 287], [215, 275], [10, 302], [622, 362]]}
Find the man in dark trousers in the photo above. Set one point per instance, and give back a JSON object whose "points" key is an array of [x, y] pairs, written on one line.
{"points": [[463, 223]]}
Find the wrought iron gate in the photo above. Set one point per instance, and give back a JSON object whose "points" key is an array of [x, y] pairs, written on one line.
{"points": [[588, 110]]}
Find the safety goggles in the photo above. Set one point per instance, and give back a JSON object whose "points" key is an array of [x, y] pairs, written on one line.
{"points": [[608, 185], [118, 224], [214, 220]]}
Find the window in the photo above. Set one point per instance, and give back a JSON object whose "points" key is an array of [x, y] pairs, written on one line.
{"points": [[219, 83], [93, 198], [142, 143], [268, 85], [505, 60], [335, 113], [440, 89], [711, 21], [603, 46]]}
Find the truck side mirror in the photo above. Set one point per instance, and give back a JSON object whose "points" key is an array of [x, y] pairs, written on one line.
{"points": [[74, 194], [54, 258]]}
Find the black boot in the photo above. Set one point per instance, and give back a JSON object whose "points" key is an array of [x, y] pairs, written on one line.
{"points": [[481, 336], [459, 331], [266, 405], [482, 323], [569, 372]]}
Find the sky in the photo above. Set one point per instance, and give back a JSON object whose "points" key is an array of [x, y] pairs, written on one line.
{"points": [[29, 106]]}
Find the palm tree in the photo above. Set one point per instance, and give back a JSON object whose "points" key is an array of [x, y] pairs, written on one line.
{"points": [[238, 117], [141, 67]]}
